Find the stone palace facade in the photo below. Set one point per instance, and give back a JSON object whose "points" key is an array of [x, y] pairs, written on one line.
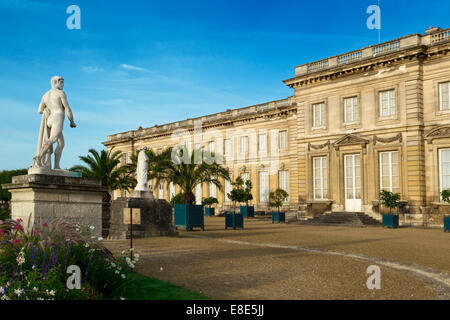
{"points": [[371, 119]]}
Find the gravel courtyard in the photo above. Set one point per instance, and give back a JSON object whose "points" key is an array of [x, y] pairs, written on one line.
{"points": [[293, 261]]}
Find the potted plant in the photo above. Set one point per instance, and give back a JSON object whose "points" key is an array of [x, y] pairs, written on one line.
{"points": [[208, 202], [445, 194], [183, 169], [390, 200], [276, 200], [232, 219], [247, 211]]}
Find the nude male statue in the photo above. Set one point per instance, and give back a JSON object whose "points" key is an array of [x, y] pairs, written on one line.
{"points": [[53, 107]]}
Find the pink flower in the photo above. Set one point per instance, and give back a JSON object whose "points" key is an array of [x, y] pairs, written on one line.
{"points": [[17, 227], [16, 241], [2, 233], [36, 232], [1, 221], [44, 225], [19, 220]]}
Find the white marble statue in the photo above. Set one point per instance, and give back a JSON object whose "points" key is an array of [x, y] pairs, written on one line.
{"points": [[53, 108], [142, 171]]}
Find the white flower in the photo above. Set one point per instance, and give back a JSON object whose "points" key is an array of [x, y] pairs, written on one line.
{"points": [[123, 276], [100, 239], [92, 227], [113, 264], [2, 290], [117, 271], [86, 245], [122, 298], [20, 257], [128, 259], [51, 292], [35, 289], [4, 297], [131, 249], [18, 292], [136, 255]]}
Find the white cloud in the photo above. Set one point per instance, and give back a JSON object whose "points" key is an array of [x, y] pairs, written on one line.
{"points": [[134, 68], [92, 69]]}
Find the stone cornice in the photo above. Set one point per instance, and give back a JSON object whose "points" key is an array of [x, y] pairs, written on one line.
{"points": [[228, 119], [361, 66]]}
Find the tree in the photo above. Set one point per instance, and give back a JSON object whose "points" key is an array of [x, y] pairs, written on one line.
{"points": [[241, 191], [210, 201], [6, 177], [277, 198], [105, 166], [185, 172], [389, 199]]}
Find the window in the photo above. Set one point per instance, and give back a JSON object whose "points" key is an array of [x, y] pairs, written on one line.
{"points": [[389, 171], [320, 178], [228, 188], [444, 96], [444, 169], [351, 112], [262, 142], [318, 115], [245, 176], [161, 190], [244, 145], [283, 180], [264, 186], [228, 149], [212, 189], [282, 139], [197, 146], [212, 146], [198, 194], [387, 103], [171, 190]]}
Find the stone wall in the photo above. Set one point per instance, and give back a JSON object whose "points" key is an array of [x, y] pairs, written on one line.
{"points": [[155, 218]]}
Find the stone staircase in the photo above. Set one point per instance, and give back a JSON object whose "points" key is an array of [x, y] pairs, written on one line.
{"points": [[343, 218]]}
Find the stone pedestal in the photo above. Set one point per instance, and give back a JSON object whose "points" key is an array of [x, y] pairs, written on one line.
{"points": [[151, 217], [51, 196]]}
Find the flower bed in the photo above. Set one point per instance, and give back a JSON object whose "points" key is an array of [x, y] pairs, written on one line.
{"points": [[35, 264]]}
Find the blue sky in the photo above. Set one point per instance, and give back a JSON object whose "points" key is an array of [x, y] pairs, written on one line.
{"points": [[141, 63]]}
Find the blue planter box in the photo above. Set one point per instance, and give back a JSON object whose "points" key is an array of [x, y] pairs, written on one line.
{"points": [[188, 216], [447, 224], [209, 211], [234, 220], [247, 211], [278, 217], [390, 221]]}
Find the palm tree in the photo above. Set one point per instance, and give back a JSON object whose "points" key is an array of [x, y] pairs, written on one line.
{"points": [[105, 166], [188, 174]]}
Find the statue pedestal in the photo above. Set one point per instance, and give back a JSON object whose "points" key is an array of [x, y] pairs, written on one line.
{"points": [[51, 196], [151, 217]]}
